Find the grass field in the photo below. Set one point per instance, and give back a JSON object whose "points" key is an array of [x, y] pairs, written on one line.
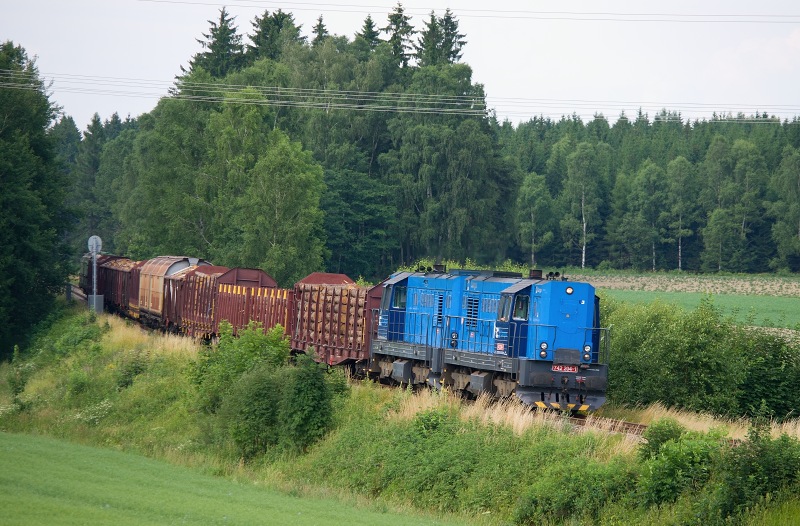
{"points": [[762, 311], [52, 482]]}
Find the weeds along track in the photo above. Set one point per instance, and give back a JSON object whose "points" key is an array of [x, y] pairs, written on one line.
{"points": [[510, 412], [610, 425]]}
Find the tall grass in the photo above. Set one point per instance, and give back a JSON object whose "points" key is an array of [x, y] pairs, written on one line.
{"points": [[394, 449]]}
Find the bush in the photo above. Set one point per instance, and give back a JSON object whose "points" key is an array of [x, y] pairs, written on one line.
{"points": [[580, 490], [757, 467], [130, 365], [250, 411], [683, 464], [218, 367], [306, 412], [657, 434], [689, 360]]}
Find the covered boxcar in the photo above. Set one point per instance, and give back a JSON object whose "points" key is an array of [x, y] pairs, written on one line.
{"points": [[121, 283], [151, 285]]}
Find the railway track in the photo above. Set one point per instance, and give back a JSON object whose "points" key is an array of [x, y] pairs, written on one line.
{"points": [[76, 293], [608, 425]]}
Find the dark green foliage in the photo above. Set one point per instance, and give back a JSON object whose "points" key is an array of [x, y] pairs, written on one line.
{"points": [[250, 410], [32, 184], [219, 366], [288, 407], [416, 167], [305, 409], [440, 462], [682, 464], [755, 468], [131, 365], [271, 34], [579, 490], [699, 360], [225, 52], [657, 434], [320, 32], [367, 39], [400, 31], [679, 359]]}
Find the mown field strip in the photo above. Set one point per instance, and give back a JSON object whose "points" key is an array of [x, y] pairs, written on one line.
{"points": [[763, 311], [53, 482]]}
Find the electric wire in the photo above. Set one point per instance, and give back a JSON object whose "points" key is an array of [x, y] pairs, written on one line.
{"points": [[711, 18], [331, 99]]}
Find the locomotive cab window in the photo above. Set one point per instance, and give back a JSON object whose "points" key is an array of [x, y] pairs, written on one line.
{"points": [[504, 310], [399, 298], [521, 307], [386, 297]]}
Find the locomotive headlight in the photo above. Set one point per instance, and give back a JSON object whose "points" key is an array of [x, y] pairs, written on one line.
{"points": [[587, 348], [570, 290], [543, 346], [587, 357], [543, 354]]}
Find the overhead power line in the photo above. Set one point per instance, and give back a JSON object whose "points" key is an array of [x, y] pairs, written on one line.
{"points": [[579, 16], [423, 103]]}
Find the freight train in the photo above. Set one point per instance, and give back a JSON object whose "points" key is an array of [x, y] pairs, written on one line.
{"points": [[538, 338]]}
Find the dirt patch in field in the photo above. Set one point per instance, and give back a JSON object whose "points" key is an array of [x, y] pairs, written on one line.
{"points": [[755, 285]]}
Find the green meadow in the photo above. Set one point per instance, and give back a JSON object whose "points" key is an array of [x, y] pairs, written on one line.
{"points": [[761, 311], [55, 482]]}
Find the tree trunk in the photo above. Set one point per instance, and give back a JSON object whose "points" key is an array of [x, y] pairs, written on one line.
{"points": [[533, 241], [680, 243], [583, 223], [654, 255]]}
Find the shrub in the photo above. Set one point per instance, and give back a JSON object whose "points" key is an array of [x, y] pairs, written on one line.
{"points": [[130, 365], [218, 367], [757, 467], [772, 374], [578, 490], [78, 383], [306, 412], [686, 360], [657, 434], [683, 464], [250, 411]]}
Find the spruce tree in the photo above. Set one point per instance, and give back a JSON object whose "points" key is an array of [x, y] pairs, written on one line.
{"points": [[225, 52], [400, 32], [452, 41], [369, 33], [320, 32], [429, 46], [270, 34]]}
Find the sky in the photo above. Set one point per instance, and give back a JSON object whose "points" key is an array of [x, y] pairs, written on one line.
{"points": [[544, 58]]}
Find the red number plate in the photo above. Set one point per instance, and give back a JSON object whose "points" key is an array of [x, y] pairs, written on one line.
{"points": [[564, 368]]}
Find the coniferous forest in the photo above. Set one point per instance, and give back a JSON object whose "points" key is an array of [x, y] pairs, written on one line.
{"points": [[298, 152]]}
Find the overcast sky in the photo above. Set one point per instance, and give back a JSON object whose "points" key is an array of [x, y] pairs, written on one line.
{"points": [[534, 58]]}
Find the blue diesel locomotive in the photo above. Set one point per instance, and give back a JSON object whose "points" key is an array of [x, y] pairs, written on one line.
{"points": [[538, 338]]}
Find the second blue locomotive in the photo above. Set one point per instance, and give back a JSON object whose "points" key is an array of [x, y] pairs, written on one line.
{"points": [[538, 338]]}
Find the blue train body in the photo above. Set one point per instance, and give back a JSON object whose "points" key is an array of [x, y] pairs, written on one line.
{"points": [[497, 333]]}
